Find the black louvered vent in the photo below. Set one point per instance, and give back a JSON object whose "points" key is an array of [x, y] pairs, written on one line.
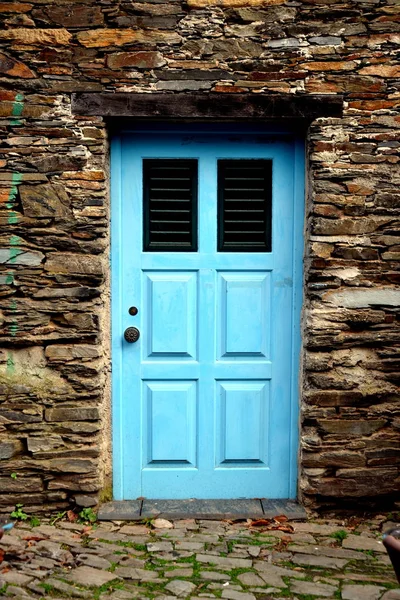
{"points": [[170, 205], [244, 205]]}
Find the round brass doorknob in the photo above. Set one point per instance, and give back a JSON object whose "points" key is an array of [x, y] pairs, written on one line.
{"points": [[132, 334]]}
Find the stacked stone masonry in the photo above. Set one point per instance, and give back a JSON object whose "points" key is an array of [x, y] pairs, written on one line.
{"points": [[54, 254]]}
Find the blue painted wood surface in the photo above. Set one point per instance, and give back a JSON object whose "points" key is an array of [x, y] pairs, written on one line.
{"points": [[205, 403]]}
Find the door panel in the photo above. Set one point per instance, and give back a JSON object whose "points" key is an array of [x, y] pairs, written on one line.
{"points": [[170, 423], [170, 299], [243, 311], [242, 423], [204, 245]]}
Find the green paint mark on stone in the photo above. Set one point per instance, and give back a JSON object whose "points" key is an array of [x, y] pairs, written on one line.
{"points": [[11, 196], [18, 107], [13, 329], [14, 244], [10, 363], [13, 219], [15, 181], [14, 248], [13, 255]]}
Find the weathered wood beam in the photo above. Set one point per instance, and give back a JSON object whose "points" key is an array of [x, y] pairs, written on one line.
{"points": [[221, 107]]}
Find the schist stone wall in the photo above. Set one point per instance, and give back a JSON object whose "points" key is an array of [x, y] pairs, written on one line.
{"points": [[54, 289]]}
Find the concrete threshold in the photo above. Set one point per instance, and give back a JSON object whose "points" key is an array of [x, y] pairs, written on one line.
{"points": [[258, 508]]}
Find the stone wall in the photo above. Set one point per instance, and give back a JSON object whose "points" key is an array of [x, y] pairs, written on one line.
{"points": [[54, 410]]}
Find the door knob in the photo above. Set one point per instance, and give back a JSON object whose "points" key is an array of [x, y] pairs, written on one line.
{"points": [[132, 334]]}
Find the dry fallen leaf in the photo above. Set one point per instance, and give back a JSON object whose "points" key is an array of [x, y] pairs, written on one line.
{"points": [[259, 522], [281, 518], [86, 529], [271, 524]]}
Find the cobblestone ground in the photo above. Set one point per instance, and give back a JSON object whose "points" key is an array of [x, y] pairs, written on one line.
{"points": [[198, 559]]}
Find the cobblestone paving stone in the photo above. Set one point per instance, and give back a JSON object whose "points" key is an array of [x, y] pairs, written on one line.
{"points": [[197, 559]]}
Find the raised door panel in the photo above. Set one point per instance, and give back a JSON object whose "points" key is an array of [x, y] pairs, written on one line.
{"points": [[170, 298], [243, 328], [242, 431], [169, 423]]}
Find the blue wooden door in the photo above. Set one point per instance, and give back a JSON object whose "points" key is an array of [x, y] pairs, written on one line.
{"points": [[204, 402]]}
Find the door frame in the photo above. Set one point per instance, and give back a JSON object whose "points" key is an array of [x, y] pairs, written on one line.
{"points": [[299, 142]]}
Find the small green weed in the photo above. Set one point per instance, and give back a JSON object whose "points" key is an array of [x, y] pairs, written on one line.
{"points": [[46, 586], [34, 522], [87, 515], [115, 584], [393, 516], [152, 565], [13, 476], [18, 513], [58, 517], [138, 547], [85, 541], [191, 560], [339, 535], [114, 565], [235, 572], [105, 494]]}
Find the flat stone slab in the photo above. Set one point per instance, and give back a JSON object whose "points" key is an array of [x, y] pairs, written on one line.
{"points": [[312, 589], [89, 576], [362, 542], [251, 580], [291, 510], [391, 595], [234, 595], [202, 509], [327, 551], [16, 578], [123, 510], [134, 510], [97, 562], [135, 530], [135, 574], [224, 562], [214, 576], [159, 547], [192, 546], [326, 562], [272, 575], [178, 573], [317, 528], [68, 590], [361, 592], [180, 588]]}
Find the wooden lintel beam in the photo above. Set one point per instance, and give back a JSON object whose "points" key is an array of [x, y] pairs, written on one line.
{"points": [[211, 106]]}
